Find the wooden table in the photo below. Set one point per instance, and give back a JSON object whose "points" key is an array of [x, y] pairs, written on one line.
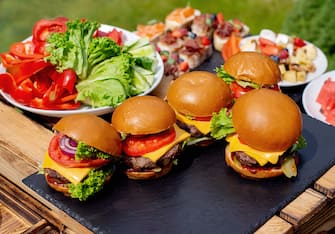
{"points": [[23, 141]]}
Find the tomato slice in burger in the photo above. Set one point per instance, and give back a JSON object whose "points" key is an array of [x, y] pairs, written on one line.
{"points": [[69, 161], [140, 145], [237, 90]]}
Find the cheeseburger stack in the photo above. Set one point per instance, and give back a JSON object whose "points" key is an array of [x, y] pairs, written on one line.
{"points": [[151, 139], [81, 155], [195, 97], [268, 127], [246, 71]]}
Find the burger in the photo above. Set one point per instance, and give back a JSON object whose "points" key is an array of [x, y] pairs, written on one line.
{"points": [[81, 155], [151, 140], [196, 96], [246, 70], [267, 135]]}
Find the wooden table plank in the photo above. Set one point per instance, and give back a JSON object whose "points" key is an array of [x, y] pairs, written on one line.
{"points": [[326, 184], [301, 209], [276, 225]]}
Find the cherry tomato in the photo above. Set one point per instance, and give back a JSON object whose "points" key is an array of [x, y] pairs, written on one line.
{"points": [[68, 161], [139, 145], [183, 66]]}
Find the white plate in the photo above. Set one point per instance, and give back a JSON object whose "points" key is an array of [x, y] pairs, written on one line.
{"points": [[310, 94], [320, 62], [128, 38]]}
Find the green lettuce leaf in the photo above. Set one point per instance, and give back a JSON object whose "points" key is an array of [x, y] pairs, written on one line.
{"points": [[109, 83], [221, 124], [300, 144], [78, 49], [84, 151], [220, 72], [92, 184]]}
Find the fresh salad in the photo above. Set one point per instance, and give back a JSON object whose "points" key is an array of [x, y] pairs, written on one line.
{"points": [[67, 63]]}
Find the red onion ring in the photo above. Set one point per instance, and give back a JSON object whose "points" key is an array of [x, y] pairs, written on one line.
{"points": [[68, 146]]}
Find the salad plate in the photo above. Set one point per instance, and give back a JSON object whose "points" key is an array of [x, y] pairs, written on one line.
{"points": [[311, 93], [128, 38], [320, 63]]}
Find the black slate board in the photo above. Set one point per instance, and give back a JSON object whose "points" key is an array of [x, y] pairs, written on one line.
{"points": [[203, 196]]}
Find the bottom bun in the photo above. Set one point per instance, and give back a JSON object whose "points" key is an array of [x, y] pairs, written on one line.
{"points": [[149, 175], [255, 173], [63, 188]]}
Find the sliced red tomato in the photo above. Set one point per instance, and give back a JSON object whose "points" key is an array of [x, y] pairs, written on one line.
{"points": [[238, 91], [68, 161], [24, 50], [140, 145], [203, 118]]}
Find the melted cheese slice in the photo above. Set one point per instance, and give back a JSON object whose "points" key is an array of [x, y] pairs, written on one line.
{"points": [[181, 135], [203, 126], [260, 156], [74, 175]]}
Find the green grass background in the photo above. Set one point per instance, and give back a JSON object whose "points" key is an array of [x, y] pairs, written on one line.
{"points": [[17, 17]]}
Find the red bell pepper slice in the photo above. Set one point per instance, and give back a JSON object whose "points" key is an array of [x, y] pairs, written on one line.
{"points": [[63, 84], [24, 50], [67, 80], [40, 104], [24, 92], [7, 83], [116, 36], [44, 27], [26, 69]]}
